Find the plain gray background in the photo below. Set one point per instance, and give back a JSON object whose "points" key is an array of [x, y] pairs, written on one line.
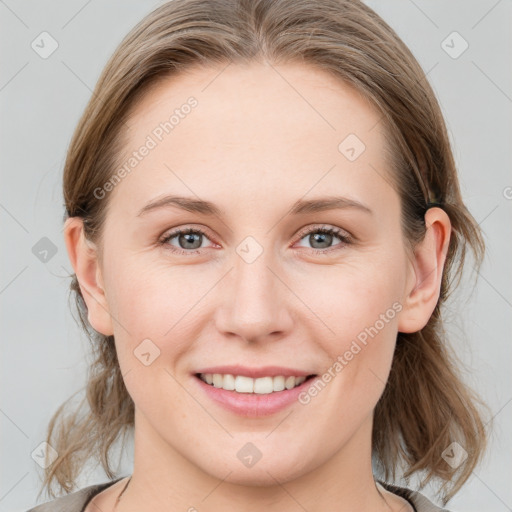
{"points": [[41, 99]]}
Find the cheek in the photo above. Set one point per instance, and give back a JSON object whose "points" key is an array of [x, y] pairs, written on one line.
{"points": [[352, 296], [360, 304], [158, 312], [151, 298], [155, 324]]}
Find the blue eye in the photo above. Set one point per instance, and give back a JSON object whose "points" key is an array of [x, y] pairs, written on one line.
{"points": [[325, 235], [190, 240]]}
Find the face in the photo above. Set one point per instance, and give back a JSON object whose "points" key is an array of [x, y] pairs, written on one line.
{"points": [[268, 279]]}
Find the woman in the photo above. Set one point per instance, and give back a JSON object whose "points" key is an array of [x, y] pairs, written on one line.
{"points": [[264, 220]]}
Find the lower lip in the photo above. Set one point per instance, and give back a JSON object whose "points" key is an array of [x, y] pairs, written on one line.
{"points": [[253, 404]]}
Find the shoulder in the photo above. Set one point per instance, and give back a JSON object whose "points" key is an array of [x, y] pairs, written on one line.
{"points": [[75, 501], [419, 501]]}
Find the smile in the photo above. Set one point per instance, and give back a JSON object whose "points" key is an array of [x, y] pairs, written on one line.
{"points": [[253, 398], [243, 384]]}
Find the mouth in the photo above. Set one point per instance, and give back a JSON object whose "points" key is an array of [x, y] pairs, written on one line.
{"points": [[254, 392], [242, 384], [257, 397]]}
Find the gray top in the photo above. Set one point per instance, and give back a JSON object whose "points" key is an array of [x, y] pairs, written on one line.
{"points": [[78, 500]]}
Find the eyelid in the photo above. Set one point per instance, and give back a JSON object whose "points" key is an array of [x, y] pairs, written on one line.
{"points": [[171, 233], [339, 232], [345, 237]]}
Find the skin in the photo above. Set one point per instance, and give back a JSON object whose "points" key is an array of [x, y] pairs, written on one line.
{"points": [[258, 141]]}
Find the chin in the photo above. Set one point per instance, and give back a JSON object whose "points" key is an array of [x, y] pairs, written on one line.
{"points": [[268, 471]]}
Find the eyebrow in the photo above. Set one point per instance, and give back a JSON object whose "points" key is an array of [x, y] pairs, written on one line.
{"points": [[300, 207]]}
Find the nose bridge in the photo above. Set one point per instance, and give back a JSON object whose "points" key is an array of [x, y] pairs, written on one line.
{"points": [[253, 279], [255, 306]]}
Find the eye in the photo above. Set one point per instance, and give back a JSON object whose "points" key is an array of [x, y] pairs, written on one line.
{"points": [[189, 240], [321, 238]]}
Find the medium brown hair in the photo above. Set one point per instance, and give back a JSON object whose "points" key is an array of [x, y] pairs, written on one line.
{"points": [[425, 405]]}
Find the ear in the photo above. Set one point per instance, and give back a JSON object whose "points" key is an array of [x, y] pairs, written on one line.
{"points": [[424, 281], [83, 255]]}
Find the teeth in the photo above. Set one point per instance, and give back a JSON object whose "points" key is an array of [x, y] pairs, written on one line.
{"points": [[242, 384]]}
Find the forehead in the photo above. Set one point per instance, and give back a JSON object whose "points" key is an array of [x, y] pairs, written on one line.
{"points": [[258, 95], [253, 128]]}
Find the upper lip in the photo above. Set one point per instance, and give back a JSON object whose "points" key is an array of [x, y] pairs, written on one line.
{"points": [[262, 371]]}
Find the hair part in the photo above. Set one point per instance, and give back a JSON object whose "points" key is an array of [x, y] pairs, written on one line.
{"points": [[425, 405]]}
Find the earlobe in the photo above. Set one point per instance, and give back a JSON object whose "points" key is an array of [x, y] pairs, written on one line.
{"points": [[423, 289], [84, 259]]}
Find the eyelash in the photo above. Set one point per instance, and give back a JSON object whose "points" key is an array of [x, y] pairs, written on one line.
{"points": [[345, 239]]}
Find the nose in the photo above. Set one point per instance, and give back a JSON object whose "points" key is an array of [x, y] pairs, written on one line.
{"points": [[255, 303]]}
